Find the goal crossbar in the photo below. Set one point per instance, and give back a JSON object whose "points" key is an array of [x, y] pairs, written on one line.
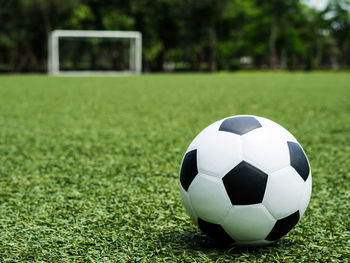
{"points": [[135, 48]]}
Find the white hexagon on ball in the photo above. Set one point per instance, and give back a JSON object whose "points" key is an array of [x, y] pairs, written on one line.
{"points": [[187, 204], [284, 191], [208, 198], [266, 149], [276, 128], [306, 195], [249, 223], [219, 153]]}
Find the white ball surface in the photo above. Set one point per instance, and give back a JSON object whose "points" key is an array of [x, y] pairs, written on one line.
{"points": [[245, 180]]}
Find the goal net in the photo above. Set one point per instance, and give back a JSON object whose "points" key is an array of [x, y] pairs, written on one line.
{"points": [[94, 52]]}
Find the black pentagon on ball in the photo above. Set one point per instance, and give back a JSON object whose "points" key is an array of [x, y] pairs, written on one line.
{"points": [[188, 169], [215, 232], [240, 124], [298, 160], [283, 226], [245, 184]]}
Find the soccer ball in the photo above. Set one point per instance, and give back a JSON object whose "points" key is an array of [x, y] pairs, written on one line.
{"points": [[245, 180]]}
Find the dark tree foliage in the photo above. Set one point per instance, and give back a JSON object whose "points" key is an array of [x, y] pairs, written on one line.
{"points": [[204, 35]]}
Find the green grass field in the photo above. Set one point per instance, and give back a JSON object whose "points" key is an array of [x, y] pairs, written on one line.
{"points": [[89, 166]]}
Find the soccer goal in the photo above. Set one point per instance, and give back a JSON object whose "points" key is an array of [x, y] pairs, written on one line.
{"points": [[85, 52]]}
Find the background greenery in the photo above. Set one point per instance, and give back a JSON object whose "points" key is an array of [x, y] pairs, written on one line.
{"points": [[205, 35], [89, 166]]}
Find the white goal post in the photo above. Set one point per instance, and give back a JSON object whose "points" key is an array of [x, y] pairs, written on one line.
{"points": [[135, 55]]}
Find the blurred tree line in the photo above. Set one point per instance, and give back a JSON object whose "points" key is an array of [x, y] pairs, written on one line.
{"points": [[203, 35]]}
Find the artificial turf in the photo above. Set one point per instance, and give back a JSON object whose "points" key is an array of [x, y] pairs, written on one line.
{"points": [[89, 166]]}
